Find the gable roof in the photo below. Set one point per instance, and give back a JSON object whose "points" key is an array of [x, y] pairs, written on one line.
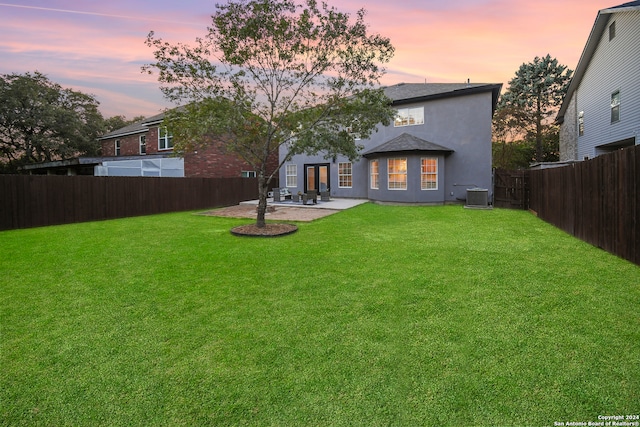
{"points": [[131, 129], [405, 93], [138, 127], [406, 143], [599, 26]]}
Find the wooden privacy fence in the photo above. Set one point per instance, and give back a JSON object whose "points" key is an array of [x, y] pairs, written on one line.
{"points": [[34, 201], [511, 189], [596, 200]]}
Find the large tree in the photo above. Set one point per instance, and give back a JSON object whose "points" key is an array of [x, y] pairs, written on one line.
{"points": [[275, 75], [40, 121], [533, 97]]}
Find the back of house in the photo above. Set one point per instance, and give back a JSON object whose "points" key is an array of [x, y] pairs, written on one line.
{"points": [[438, 146]]}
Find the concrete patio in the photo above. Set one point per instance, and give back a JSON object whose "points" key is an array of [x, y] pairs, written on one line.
{"points": [[338, 204], [288, 210]]}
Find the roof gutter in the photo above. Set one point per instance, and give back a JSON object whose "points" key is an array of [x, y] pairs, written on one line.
{"points": [[494, 88]]}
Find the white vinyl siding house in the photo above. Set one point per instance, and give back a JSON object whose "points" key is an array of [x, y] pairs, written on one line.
{"points": [[601, 112]]}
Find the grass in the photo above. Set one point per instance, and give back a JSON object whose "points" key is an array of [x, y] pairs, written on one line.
{"points": [[378, 315]]}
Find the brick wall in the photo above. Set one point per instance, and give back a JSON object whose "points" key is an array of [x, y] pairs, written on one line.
{"points": [[208, 162], [213, 162], [152, 142], [129, 145]]}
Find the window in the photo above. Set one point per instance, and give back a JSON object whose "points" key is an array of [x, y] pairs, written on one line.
{"points": [[397, 171], [429, 173], [292, 175], [375, 178], [612, 30], [615, 106], [143, 144], [581, 123], [248, 174], [409, 117], [345, 179], [117, 147], [165, 139], [352, 133]]}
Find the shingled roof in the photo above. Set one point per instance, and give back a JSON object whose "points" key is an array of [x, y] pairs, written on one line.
{"points": [[131, 129], [404, 93], [406, 143]]}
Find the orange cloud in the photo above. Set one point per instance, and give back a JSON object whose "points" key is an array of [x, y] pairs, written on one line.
{"points": [[99, 47]]}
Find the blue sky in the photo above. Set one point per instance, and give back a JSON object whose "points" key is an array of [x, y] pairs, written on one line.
{"points": [[98, 47]]}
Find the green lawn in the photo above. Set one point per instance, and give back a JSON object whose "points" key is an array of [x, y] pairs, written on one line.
{"points": [[378, 315]]}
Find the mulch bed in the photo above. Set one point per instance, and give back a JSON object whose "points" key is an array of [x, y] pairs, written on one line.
{"points": [[269, 230]]}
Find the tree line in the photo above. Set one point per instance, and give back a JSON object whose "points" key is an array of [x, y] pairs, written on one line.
{"points": [[40, 121]]}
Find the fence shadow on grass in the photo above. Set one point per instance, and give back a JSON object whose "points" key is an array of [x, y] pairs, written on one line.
{"points": [[35, 200], [596, 200]]}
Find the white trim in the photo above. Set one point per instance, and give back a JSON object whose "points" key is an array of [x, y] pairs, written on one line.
{"points": [[288, 175], [406, 184], [377, 162], [349, 175], [422, 173]]}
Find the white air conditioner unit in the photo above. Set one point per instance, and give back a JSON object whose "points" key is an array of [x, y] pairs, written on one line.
{"points": [[477, 197]]}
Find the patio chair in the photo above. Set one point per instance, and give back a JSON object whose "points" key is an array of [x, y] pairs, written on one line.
{"points": [[276, 195], [285, 194], [310, 195]]}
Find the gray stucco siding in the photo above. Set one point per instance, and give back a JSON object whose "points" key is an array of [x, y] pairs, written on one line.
{"points": [[461, 124], [414, 192]]}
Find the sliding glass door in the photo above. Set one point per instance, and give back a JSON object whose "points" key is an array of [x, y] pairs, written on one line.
{"points": [[317, 177]]}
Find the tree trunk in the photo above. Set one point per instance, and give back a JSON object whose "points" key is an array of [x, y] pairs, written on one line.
{"points": [[262, 200]]}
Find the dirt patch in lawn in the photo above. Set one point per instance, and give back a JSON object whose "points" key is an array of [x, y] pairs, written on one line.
{"points": [[281, 213], [269, 230]]}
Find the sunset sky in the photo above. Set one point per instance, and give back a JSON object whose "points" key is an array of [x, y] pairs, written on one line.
{"points": [[98, 47]]}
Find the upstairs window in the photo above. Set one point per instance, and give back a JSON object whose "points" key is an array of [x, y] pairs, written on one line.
{"points": [[143, 144], [248, 174], [352, 133], [612, 30], [117, 147], [165, 139], [615, 106], [409, 117]]}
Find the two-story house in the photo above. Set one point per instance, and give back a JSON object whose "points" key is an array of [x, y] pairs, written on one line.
{"points": [[601, 110], [146, 149], [438, 146]]}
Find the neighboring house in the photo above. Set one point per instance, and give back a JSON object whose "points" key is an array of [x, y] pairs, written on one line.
{"points": [[146, 149], [601, 111], [152, 147], [140, 149], [437, 148]]}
